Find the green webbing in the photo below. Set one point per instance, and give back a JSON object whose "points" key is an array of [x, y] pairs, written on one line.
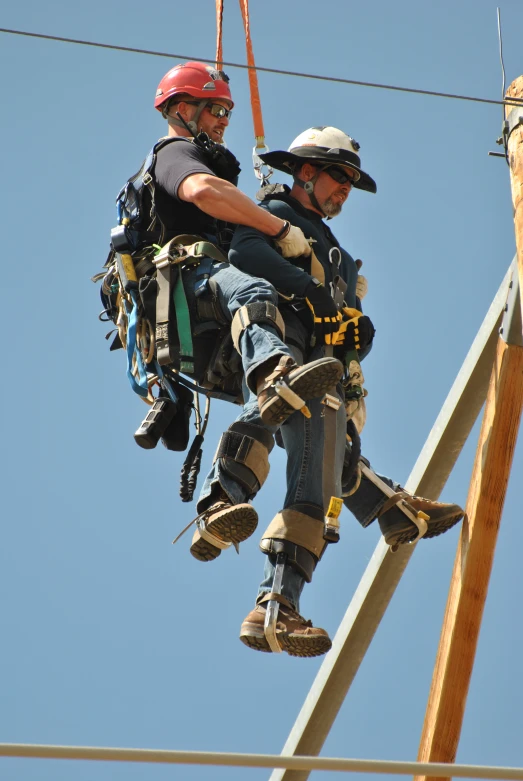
{"points": [[183, 322]]}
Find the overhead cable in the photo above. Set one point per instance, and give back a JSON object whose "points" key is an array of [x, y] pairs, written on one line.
{"points": [[278, 71]]}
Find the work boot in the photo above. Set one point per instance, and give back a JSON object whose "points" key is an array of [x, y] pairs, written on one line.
{"points": [[296, 635], [221, 525], [397, 529], [287, 387]]}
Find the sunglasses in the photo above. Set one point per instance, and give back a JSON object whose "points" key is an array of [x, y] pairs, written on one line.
{"points": [[216, 110], [219, 111], [339, 175]]}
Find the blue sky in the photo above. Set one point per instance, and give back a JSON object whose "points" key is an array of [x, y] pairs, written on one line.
{"points": [[110, 635]]}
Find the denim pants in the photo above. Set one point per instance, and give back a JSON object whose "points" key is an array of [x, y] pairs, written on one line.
{"points": [[303, 441], [235, 289]]}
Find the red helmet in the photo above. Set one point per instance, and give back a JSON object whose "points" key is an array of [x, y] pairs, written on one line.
{"points": [[196, 79]]}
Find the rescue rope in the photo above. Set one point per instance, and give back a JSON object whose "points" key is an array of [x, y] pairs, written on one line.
{"points": [[257, 119], [219, 31], [262, 171]]}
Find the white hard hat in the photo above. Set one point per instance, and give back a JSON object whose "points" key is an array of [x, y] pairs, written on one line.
{"points": [[323, 145]]}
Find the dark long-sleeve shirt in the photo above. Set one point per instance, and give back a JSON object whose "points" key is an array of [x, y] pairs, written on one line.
{"points": [[255, 253]]}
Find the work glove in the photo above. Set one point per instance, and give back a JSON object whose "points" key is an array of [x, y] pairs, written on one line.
{"points": [[293, 243], [361, 282], [362, 287], [356, 331], [327, 319]]}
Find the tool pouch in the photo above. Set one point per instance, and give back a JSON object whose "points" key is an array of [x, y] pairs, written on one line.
{"points": [[176, 435]]}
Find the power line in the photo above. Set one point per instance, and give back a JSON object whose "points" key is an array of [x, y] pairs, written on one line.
{"points": [[334, 79]]}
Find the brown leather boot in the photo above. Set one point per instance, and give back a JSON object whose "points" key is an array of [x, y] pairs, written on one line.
{"points": [[296, 635], [288, 386], [221, 525], [397, 529]]}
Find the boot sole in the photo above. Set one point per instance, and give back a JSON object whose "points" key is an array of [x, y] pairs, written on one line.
{"points": [[311, 383], [408, 534], [295, 645], [235, 524]]}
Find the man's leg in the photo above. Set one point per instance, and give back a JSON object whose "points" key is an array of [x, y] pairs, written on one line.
{"points": [[241, 466], [281, 385], [370, 501], [297, 533], [241, 462]]}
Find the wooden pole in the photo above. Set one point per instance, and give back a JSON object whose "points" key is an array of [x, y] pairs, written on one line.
{"points": [[472, 568], [515, 158]]}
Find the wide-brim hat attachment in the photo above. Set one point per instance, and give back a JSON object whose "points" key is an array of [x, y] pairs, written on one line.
{"points": [[322, 145]]}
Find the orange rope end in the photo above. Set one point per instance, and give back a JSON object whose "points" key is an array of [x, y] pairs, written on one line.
{"points": [[257, 118]]}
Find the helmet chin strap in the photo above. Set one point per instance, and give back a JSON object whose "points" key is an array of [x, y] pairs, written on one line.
{"points": [[309, 189], [193, 123]]}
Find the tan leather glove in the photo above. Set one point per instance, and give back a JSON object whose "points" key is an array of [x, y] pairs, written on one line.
{"points": [[294, 243], [362, 287]]}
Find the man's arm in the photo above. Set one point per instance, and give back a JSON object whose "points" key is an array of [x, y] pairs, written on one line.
{"points": [[255, 254], [223, 201]]}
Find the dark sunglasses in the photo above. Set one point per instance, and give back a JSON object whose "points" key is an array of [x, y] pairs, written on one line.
{"points": [[219, 111], [339, 175], [216, 110]]}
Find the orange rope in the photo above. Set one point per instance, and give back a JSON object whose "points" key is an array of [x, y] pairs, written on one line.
{"points": [[257, 119], [219, 26]]}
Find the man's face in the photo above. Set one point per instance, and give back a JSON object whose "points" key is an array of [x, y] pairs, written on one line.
{"points": [[331, 194], [210, 124]]}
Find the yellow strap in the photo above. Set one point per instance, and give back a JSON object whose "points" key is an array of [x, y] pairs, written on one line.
{"points": [[317, 269]]}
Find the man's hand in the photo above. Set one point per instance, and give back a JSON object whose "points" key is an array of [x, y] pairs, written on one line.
{"points": [[326, 317], [356, 331], [362, 287], [293, 243]]}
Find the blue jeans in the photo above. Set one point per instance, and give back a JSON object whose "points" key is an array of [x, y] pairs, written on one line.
{"points": [[302, 438], [235, 289]]}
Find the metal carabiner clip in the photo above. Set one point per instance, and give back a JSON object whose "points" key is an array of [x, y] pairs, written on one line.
{"points": [[259, 165]]}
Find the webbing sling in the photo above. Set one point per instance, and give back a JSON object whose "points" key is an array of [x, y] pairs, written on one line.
{"points": [[139, 386], [183, 322], [168, 262]]}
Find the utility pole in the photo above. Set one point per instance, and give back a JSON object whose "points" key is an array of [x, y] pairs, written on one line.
{"points": [[514, 130], [496, 445]]}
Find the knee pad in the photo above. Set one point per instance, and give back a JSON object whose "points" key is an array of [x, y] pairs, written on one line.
{"points": [[262, 312], [298, 534], [244, 452]]}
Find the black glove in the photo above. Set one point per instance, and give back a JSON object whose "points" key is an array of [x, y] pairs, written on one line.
{"points": [[356, 331], [326, 317]]}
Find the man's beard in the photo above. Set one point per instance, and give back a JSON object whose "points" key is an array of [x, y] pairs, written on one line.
{"points": [[331, 208]]}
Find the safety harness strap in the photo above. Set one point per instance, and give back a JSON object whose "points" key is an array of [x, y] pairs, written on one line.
{"points": [[139, 385], [260, 312], [244, 452], [276, 597], [183, 321], [163, 298], [317, 269], [182, 249], [297, 557], [398, 499], [247, 451]]}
